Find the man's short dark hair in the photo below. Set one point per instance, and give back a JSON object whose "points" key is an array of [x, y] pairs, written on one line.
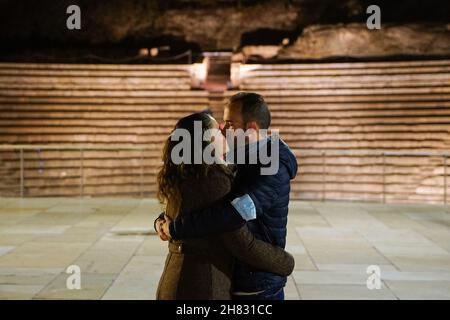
{"points": [[253, 108]]}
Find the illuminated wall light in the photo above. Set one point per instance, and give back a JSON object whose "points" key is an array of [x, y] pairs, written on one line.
{"points": [[199, 72], [285, 41], [143, 52], [154, 52]]}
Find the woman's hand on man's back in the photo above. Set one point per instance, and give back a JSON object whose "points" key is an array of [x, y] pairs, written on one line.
{"points": [[161, 225]]}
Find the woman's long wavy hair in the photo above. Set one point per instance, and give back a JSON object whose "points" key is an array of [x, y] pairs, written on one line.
{"points": [[171, 176]]}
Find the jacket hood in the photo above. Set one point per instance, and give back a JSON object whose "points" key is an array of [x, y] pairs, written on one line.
{"points": [[287, 157]]}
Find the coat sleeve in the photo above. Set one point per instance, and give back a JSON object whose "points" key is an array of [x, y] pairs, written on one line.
{"points": [[217, 218], [223, 215], [259, 254], [220, 216]]}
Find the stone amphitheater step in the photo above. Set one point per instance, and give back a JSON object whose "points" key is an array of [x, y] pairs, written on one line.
{"points": [[345, 106], [386, 105], [91, 104], [348, 65]]}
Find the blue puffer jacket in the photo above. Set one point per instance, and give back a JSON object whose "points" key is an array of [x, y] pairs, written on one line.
{"points": [[270, 195]]}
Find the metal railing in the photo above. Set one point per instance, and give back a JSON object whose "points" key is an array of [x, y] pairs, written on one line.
{"points": [[418, 154], [81, 149], [383, 154]]}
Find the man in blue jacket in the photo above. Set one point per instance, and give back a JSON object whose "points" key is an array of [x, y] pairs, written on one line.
{"points": [[259, 199]]}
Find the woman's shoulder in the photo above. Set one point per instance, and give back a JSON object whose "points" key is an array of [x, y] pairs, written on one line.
{"points": [[219, 172], [213, 186], [218, 177]]}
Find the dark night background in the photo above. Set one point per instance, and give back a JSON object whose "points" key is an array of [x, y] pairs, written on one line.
{"points": [[36, 30]]}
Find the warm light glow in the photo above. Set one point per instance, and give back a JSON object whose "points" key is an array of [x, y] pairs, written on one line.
{"points": [[240, 71], [154, 52], [143, 52], [199, 71]]}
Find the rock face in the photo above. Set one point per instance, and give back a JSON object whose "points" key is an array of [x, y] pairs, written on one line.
{"points": [[138, 21], [222, 29], [322, 28], [44, 22], [356, 40], [261, 52]]}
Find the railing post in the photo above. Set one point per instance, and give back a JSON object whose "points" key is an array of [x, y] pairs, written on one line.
{"points": [[81, 172], [21, 173], [142, 173], [445, 179], [190, 56], [323, 175], [384, 177]]}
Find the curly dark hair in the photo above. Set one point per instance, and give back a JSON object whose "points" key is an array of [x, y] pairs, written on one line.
{"points": [[171, 175]]}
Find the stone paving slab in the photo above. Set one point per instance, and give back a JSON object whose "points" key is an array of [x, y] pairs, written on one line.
{"points": [[112, 241]]}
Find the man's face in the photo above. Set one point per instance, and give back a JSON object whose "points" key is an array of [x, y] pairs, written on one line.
{"points": [[232, 117]]}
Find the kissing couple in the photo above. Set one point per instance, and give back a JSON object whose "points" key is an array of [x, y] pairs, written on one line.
{"points": [[226, 222]]}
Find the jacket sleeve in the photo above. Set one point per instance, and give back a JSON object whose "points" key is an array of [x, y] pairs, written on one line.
{"points": [[223, 216], [259, 254], [264, 190], [217, 218]]}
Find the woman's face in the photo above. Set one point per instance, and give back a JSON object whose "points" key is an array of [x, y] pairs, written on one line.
{"points": [[218, 140]]}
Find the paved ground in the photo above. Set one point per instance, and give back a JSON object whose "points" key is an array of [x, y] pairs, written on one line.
{"points": [[333, 244]]}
